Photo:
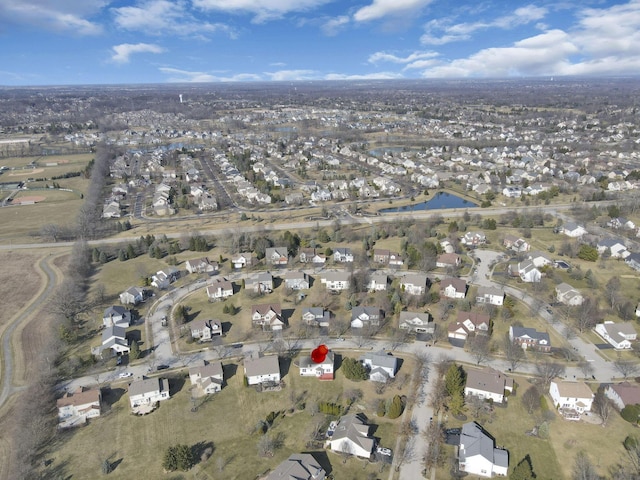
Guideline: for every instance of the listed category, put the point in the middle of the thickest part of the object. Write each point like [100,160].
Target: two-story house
[529,338]
[268,316]
[362,316]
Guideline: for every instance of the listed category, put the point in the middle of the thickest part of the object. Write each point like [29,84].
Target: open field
[227,420]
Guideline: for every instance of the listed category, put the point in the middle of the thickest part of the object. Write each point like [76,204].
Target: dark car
[162,367]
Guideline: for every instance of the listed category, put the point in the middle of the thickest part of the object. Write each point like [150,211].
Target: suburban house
[620,222]
[116,316]
[316,316]
[378,281]
[633,260]
[414,283]
[268,316]
[568,295]
[473,239]
[530,338]
[478,455]
[448,260]
[620,335]
[615,247]
[387,257]
[490,296]
[342,255]
[336,281]
[242,260]
[148,391]
[74,408]
[201,265]
[351,436]
[299,466]
[361,316]
[323,370]
[259,283]
[312,255]
[205,330]
[453,287]
[381,367]
[515,244]
[573,230]
[206,378]
[571,398]
[220,289]
[132,296]
[262,369]
[416,322]
[296,280]
[164,278]
[487,383]
[114,339]
[623,394]
[539,259]
[277,256]
[527,271]
[467,323]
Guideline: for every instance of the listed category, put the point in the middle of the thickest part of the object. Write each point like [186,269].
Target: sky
[70,42]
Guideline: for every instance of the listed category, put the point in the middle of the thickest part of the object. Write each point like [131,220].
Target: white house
[448,260]
[116,316]
[623,394]
[276,255]
[201,265]
[268,316]
[490,296]
[114,339]
[477,454]
[75,408]
[568,295]
[205,330]
[262,370]
[416,322]
[207,378]
[414,283]
[453,287]
[164,278]
[259,283]
[528,272]
[573,230]
[571,397]
[296,280]
[362,315]
[147,391]
[487,383]
[316,316]
[351,436]
[220,289]
[342,255]
[322,370]
[242,260]
[378,281]
[616,248]
[381,367]
[132,296]
[473,239]
[620,335]
[336,281]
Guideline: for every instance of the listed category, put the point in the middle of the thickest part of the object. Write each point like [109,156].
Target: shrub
[395,408]
[381,410]
[354,370]
[630,413]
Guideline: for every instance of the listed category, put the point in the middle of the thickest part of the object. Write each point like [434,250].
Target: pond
[440,201]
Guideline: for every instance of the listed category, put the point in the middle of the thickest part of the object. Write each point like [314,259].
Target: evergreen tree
[121,255]
[95,255]
[134,352]
[456,403]
[523,471]
[354,370]
[131,252]
[454,380]
[395,408]
[103,258]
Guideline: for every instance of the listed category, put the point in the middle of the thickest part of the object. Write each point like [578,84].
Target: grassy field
[227,420]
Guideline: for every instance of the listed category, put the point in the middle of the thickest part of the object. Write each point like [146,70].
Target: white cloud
[161,17]
[366,76]
[186,76]
[262,10]
[68,16]
[462,31]
[123,52]
[385,8]
[334,25]
[389,57]
[292,75]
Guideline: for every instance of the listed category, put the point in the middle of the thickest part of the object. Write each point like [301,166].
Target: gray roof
[148,385]
[352,426]
[477,442]
[261,365]
[117,311]
[113,331]
[299,466]
[380,360]
[212,369]
[531,333]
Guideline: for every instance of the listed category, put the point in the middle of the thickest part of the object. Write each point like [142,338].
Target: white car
[126,375]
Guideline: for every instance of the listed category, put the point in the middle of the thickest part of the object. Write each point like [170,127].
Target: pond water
[440,201]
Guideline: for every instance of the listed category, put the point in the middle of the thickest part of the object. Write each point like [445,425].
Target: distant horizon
[104,42]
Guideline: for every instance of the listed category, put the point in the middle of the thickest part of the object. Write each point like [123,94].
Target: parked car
[126,375]
[162,367]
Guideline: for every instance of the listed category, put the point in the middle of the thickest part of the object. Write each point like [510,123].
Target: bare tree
[480,348]
[612,291]
[406,454]
[583,469]
[602,406]
[531,399]
[513,352]
[586,368]
[626,368]
[547,370]
[346,450]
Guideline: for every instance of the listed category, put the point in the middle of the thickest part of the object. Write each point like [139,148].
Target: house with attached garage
[259,283]
[453,287]
[116,316]
[473,239]
[620,335]
[74,408]
[539,259]
[268,316]
[132,296]
[515,244]
[322,370]
[220,289]
[448,260]
[414,283]
[623,394]
[386,257]
[477,454]
[336,281]
[164,278]
[316,316]
[527,271]
[114,339]
[312,255]
[490,296]
[242,260]
[365,316]
[205,330]
[573,230]
[571,398]
[615,247]
[568,295]
[342,255]
[277,256]
[206,378]
[378,281]
[381,366]
[260,370]
[296,280]
[529,338]
[487,383]
[633,260]
[299,466]
[201,265]
[351,436]
[468,323]
[416,322]
[148,391]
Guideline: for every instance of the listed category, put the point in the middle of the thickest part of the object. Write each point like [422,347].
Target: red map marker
[319,354]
